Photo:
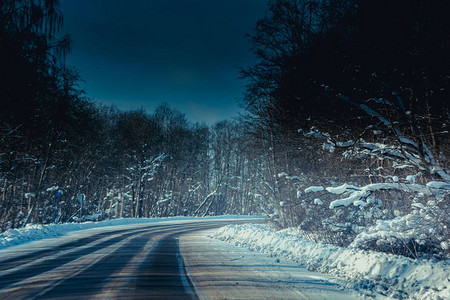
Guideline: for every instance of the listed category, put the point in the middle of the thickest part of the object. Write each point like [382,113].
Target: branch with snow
[422,226]
[358,195]
[413,150]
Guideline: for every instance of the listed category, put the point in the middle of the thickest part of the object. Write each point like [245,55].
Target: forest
[344,136]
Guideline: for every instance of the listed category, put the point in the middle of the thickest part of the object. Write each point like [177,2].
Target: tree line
[354,93]
[350,94]
[64,158]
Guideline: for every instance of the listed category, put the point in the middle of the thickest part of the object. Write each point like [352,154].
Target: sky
[141,53]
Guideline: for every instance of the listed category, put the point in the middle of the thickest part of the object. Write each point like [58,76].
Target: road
[162,261]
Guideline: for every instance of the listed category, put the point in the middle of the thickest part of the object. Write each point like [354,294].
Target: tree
[348,92]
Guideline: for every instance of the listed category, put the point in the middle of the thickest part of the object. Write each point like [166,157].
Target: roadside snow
[14,237]
[376,273]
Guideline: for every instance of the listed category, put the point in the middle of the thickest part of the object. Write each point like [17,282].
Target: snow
[355,195]
[314,132]
[359,203]
[372,272]
[345,144]
[314,189]
[417,188]
[52,189]
[341,189]
[405,150]
[219,270]
[445,245]
[438,185]
[410,227]
[396,165]
[352,199]
[413,178]
[317,201]
[14,237]
[328,147]
[418,205]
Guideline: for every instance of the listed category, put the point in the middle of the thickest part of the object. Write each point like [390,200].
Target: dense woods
[63,157]
[346,124]
[350,101]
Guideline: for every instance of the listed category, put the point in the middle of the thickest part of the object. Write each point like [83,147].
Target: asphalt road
[164,261]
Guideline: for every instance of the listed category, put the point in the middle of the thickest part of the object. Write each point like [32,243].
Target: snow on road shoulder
[389,275]
[14,237]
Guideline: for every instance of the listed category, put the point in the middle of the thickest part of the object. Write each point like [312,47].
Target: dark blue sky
[140,53]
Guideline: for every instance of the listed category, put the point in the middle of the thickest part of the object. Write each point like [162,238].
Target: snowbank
[13,237]
[385,274]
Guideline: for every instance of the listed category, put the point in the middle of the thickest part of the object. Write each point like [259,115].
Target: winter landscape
[332,181]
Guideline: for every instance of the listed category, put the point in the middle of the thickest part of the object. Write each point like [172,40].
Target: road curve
[157,261]
[138,263]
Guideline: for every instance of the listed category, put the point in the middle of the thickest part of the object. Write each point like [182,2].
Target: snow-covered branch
[358,195]
[400,147]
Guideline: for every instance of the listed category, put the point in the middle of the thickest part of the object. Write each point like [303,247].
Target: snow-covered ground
[48,268]
[14,237]
[373,273]
[218,270]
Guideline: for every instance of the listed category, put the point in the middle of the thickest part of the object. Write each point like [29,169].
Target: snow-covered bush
[407,219]
[423,233]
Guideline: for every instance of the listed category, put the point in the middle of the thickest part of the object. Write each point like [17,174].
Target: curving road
[162,261]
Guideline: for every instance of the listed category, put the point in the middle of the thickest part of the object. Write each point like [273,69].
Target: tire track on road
[56,257]
[10,263]
[158,272]
[132,263]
